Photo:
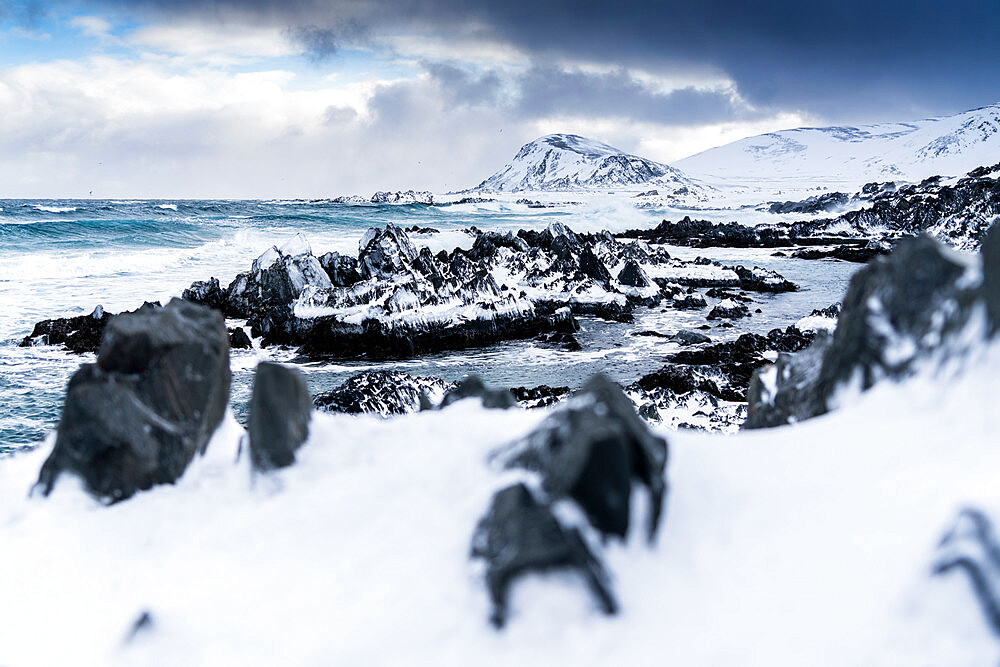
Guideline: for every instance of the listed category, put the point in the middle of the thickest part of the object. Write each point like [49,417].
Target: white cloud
[217,44]
[92,26]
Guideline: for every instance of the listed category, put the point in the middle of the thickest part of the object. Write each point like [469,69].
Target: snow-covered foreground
[809,544]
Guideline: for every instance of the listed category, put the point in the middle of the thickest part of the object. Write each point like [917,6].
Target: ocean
[64,257]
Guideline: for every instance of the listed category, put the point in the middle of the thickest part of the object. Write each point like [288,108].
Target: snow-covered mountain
[570,162]
[845,156]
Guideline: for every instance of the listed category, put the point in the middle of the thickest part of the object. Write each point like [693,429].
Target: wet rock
[239,340]
[138,416]
[729,310]
[519,535]
[278,416]
[382,392]
[688,337]
[590,451]
[473,387]
[540,396]
[207,293]
[76,334]
[342,270]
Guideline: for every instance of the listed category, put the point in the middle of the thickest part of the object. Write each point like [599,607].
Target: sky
[313,98]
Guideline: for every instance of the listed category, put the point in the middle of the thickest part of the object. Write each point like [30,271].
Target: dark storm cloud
[838,58]
[546,91]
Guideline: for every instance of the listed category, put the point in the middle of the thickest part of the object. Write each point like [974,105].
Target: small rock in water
[688,337]
[279,413]
[138,416]
[239,340]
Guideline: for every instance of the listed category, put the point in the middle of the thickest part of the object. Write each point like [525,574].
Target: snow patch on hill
[848,157]
[571,162]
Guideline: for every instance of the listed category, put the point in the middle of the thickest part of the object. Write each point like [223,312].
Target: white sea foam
[55,209]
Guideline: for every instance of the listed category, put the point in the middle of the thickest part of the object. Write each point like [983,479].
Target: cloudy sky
[314,98]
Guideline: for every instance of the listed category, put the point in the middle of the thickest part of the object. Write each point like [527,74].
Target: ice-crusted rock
[473,387]
[382,392]
[590,450]
[898,309]
[342,270]
[138,416]
[278,416]
[520,534]
[385,252]
[403,197]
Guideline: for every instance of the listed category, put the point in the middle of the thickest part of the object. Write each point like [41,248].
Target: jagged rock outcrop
[139,415]
[278,416]
[898,309]
[590,451]
[79,334]
[382,392]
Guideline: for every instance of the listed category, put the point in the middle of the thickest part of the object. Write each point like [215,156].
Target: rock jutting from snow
[971,546]
[278,416]
[906,306]
[153,399]
[520,534]
[590,450]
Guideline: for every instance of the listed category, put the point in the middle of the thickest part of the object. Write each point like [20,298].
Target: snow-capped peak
[849,156]
[570,162]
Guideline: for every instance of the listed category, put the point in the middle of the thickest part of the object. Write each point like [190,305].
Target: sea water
[62,258]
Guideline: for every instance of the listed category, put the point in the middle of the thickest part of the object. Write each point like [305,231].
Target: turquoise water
[64,257]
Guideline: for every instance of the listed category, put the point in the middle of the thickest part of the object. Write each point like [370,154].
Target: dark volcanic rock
[897,309]
[381,392]
[138,416]
[991,276]
[538,397]
[278,416]
[632,274]
[239,340]
[473,387]
[342,270]
[729,310]
[688,337]
[77,334]
[590,450]
[691,301]
[519,534]
[207,293]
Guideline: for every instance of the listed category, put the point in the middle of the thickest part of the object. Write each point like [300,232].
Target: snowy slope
[810,544]
[569,162]
[848,157]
